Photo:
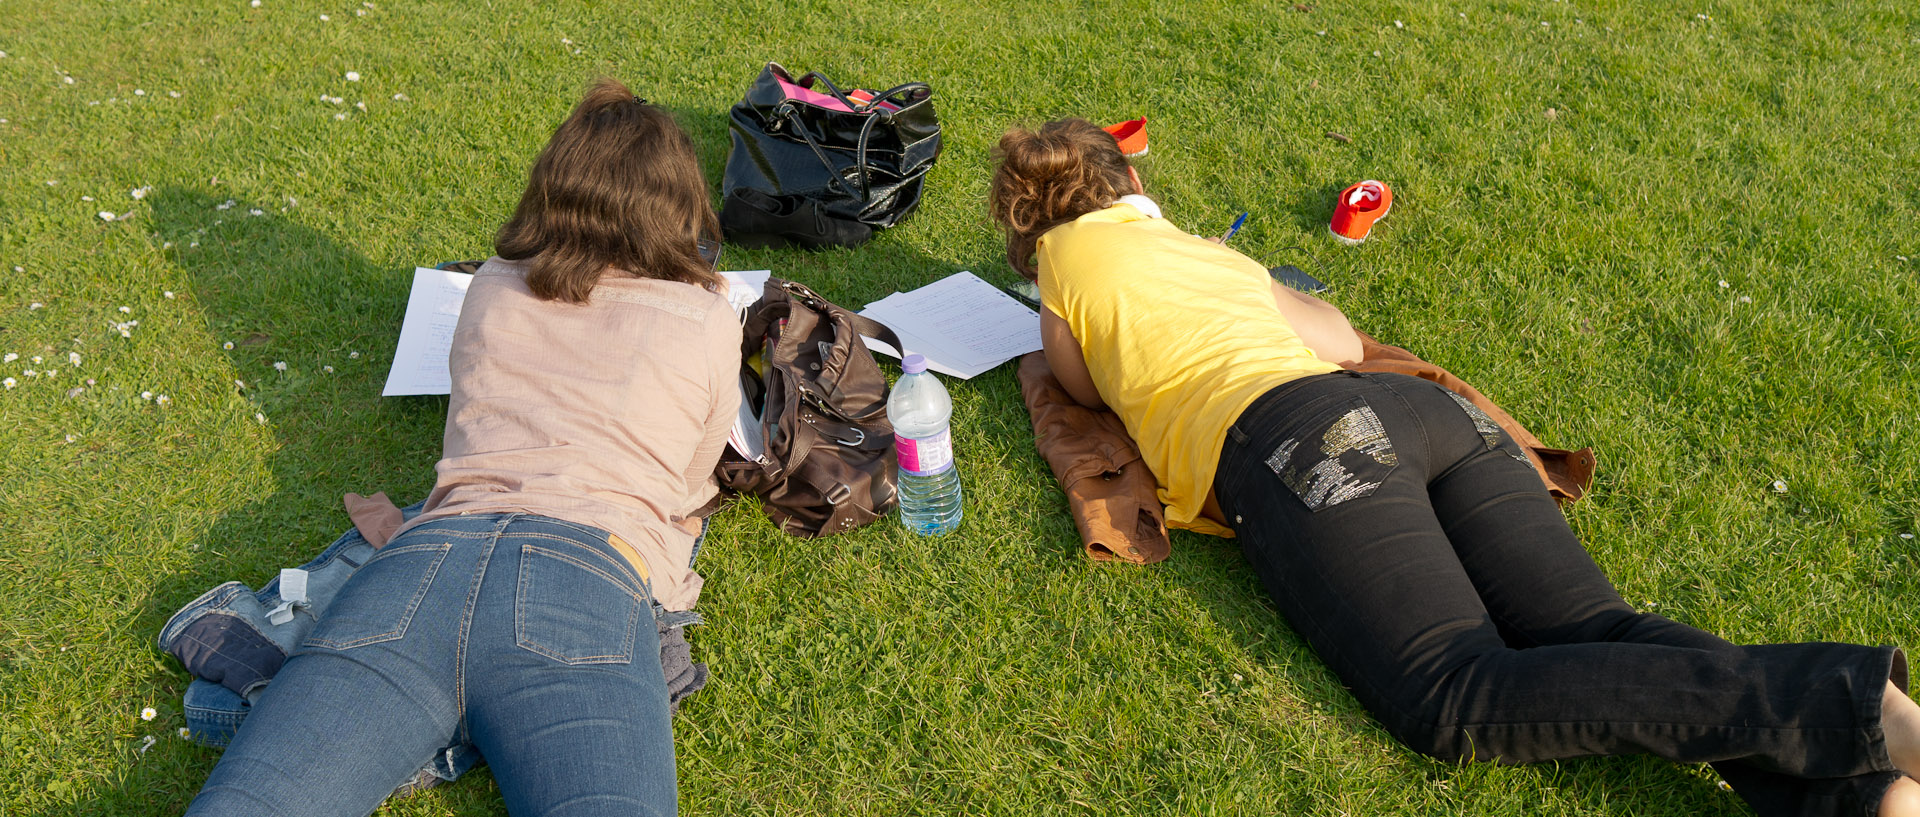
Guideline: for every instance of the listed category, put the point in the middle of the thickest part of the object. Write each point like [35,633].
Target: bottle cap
[913,363]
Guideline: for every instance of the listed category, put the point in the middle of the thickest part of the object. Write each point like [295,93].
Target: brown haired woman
[593,371]
[1400,531]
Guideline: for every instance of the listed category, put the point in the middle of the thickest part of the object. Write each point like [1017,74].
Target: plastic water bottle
[919,409]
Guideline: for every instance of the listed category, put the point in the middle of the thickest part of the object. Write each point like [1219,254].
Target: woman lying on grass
[1402,533]
[593,372]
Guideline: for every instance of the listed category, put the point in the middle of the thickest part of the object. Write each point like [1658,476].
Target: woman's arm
[1068,363]
[1320,325]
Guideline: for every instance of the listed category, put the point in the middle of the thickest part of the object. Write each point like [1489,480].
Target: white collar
[1142,203]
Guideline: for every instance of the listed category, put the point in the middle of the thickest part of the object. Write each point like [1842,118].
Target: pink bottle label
[928,455]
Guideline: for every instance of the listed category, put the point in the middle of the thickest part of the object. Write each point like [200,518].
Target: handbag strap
[807,83]
[871,114]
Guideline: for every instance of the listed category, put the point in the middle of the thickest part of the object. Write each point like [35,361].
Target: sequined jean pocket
[1490,431]
[1342,454]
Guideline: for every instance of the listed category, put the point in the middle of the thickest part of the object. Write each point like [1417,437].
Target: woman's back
[621,436]
[1179,333]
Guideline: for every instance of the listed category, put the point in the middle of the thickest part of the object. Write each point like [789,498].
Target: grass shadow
[282,292]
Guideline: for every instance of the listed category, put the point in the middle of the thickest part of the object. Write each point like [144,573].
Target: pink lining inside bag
[812,97]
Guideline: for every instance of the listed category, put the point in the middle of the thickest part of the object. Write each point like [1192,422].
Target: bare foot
[1901,800]
[1900,720]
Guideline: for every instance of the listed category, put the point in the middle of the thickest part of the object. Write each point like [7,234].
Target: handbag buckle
[837,494]
[859,437]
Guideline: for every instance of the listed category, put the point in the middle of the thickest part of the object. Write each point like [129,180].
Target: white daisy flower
[1779,486]
[256,212]
[67,80]
[280,365]
[162,400]
[339,117]
[327,369]
[174,94]
[146,395]
[227,346]
[260,418]
[149,714]
[1724,284]
[149,741]
[354,355]
[9,382]
[360,105]
[11,357]
[225,205]
[126,310]
[400,97]
[31,373]
[35,305]
[140,192]
[138,92]
[73,359]
[106,215]
[167,293]
[353,76]
[324,18]
[185,733]
[37,359]
[71,438]
[86,198]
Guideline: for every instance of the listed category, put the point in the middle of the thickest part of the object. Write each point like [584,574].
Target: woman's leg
[565,696]
[1329,488]
[365,703]
[1541,588]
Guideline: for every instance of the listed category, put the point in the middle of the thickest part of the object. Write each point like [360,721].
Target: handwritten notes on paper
[426,334]
[961,324]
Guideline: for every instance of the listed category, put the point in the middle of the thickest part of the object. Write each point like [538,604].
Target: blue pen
[1234,229]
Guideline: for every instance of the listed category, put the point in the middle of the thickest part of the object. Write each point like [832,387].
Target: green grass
[1573,182]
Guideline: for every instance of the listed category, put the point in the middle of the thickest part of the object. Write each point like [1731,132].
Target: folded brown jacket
[1113,496]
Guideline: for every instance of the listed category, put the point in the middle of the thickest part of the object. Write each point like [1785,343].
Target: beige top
[611,413]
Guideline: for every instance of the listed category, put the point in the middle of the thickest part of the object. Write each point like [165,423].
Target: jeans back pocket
[378,602]
[576,607]
[1341,453]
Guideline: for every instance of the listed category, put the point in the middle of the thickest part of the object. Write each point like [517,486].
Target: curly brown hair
[618,188]
[1046,179]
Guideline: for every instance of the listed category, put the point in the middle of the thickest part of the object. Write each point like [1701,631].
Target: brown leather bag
[829,465]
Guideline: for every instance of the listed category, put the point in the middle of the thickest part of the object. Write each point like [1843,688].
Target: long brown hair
[617,187]
[1046,179]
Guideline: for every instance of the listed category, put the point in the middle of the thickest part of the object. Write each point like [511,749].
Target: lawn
[1682,234]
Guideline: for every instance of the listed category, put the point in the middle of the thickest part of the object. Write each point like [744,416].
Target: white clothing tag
[293,592]
[293,585]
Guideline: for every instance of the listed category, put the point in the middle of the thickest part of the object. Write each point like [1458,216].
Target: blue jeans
[527,636]
[1405,537]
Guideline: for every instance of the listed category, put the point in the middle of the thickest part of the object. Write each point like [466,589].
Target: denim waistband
[481,526]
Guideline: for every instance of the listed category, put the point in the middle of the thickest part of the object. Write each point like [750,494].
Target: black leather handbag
[815,166]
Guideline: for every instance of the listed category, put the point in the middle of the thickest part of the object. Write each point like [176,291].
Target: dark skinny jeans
[1405,537]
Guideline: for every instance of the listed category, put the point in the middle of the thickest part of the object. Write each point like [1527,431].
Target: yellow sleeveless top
[1180,335]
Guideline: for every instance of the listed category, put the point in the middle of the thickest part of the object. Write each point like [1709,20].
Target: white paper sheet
[426,334]
[745,287]
[961,324]
[746,438]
